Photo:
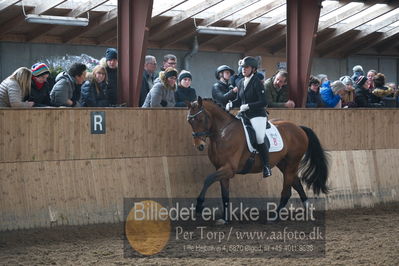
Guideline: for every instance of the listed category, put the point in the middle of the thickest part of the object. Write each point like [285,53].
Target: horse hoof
[220,222]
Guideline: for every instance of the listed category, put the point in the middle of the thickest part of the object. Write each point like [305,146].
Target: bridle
[202,133]
[205,133]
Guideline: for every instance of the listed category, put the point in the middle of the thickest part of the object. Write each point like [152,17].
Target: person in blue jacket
[327,95]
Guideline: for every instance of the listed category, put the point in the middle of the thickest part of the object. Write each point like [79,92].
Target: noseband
[202,133]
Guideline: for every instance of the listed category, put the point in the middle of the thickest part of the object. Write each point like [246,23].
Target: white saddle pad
[275,139]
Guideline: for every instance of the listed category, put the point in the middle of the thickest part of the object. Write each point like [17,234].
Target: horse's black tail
[314,165]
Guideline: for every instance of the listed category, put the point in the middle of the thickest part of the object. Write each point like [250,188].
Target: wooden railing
[53,170]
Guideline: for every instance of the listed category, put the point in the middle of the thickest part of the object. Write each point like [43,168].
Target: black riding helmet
[223,68]
[249,61]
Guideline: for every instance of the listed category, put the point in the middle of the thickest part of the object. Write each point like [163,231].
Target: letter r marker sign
[97,122]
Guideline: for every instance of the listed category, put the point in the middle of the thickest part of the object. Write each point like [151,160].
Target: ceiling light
[57,20]
[221,30]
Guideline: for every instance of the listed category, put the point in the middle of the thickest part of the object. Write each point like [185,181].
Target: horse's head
[200,123]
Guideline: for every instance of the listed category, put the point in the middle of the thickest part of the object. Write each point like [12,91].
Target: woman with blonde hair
[15,88]
[95,90]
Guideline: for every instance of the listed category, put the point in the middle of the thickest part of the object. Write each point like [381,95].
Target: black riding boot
[264,155]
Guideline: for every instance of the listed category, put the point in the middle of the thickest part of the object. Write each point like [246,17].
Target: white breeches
[259,124]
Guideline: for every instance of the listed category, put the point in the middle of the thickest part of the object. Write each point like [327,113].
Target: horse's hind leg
[289,170]
[299,188]
[285,195]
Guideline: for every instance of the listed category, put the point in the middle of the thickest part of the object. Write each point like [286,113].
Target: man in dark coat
[111,57]
[147,82]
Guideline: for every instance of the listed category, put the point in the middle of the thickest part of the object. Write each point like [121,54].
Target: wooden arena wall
[53,171]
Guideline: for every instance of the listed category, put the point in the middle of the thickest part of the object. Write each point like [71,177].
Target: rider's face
[247,71]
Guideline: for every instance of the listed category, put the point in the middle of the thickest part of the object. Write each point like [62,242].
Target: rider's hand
[229,105]
[244,107]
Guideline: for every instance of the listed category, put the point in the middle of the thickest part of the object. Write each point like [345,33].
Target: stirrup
[266,171]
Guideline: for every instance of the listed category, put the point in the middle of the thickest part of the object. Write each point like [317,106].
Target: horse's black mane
[219,105]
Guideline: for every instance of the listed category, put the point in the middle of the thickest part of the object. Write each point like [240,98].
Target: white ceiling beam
[166,7]
[7,3]
[165,27]
[46,5]
[327,42]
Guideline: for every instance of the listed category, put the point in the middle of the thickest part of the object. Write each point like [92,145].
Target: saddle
[273,138]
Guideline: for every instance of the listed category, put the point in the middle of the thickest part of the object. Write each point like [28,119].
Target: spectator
[330,97]
[370,82]
[15,88]
[357,72]
[162,93]
[261,77]
[95,89]
[222,91]
[381,90]
[392,85]
[111,65]
[235,78]
[66,91]
[322,77]
[348,98]
[150,65]
[338,88]
[276,91]
[40,87]
[184,92]
[169,60]
[363,95]
[314,99]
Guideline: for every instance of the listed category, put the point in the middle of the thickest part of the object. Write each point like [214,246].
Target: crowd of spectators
[77,87]
[359,90]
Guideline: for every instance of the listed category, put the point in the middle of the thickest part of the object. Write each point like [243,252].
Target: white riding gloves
[229,105]
[244,107]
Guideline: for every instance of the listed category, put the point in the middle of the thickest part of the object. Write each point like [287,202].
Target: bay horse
[228,152]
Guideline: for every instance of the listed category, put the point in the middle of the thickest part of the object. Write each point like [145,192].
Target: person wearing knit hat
[361,81]
[313,99]
[111,53]
[111,57]
[162,94]
[184,92]
[363,96]
[40,87]
[40,69]
[346,80]
[337,86]
[348,99]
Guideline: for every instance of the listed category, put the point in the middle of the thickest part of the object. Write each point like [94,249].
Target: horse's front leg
[224,187]
[224,174]
[210,179]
